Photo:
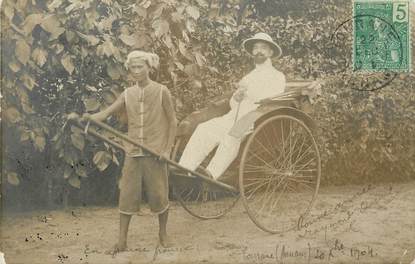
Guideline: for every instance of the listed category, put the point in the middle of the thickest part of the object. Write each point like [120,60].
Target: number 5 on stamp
[400,12]
[381,35]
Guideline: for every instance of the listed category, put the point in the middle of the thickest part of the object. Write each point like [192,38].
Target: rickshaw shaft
[147,149]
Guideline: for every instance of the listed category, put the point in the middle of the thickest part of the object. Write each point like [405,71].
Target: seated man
[262,82]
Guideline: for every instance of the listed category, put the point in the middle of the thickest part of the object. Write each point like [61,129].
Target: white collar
[265,65]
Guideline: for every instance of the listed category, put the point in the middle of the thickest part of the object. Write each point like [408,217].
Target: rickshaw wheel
[279,173]
[199,198]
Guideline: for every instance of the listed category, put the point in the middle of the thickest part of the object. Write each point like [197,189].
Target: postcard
[206,131]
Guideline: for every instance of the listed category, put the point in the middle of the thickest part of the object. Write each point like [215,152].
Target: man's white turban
[151,58]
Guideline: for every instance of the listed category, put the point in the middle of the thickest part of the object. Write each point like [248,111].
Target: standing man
[263,82]
[151,122]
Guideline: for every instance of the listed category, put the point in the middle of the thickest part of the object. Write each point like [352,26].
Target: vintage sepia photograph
[207,131]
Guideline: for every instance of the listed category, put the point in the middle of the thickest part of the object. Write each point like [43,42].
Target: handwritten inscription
[310,253]
[160,250]
[341,215]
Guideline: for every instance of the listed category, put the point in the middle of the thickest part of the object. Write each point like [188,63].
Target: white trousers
[206,137]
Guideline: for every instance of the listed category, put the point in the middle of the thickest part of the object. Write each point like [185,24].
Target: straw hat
[248,43]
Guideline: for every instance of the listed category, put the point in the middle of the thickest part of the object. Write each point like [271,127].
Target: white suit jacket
[262,82]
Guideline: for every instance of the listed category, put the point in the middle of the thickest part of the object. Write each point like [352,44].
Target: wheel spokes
[281,165]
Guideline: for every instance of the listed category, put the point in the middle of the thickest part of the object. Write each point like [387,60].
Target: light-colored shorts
[153,174]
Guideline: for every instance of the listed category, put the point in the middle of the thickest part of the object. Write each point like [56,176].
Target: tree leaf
[213,69]
[24,135]
[200,59]
[58,48]
[196,84]
[81,170]
[183,50]
[91,39]
[91,88]
[28,81]
[106,24]
[91,104]
[27,108]
[84,52]
[160,27]
[193,12]
[145,4]
[190,25]
[51,24]
[40,56]
[67,172]
[202,3]
[22,51]
[181,9]
[173,78]
[14,66]
[13,115]
[78,141]
[75,181]
[176,17]
[107,49]
[70,156]
[55,4]
[71,36]
[158,12]
[168,42]
[24,100]
[129,40]
[67,63]
[185,36]
[141,11]
[114,71]
[40,143]
[102,159]
[12,178]
[141,40]
[76,130]
[31,21]
[107,2]
[76,5]
[192,70]
[179,65]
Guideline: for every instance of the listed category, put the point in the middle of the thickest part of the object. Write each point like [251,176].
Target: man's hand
[97,116]
[86,117]
[164,155]
[72,116]
[240,94]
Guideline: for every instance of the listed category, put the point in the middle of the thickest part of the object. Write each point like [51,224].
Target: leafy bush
[65,56]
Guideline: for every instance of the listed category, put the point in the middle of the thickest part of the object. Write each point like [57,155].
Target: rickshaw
[278,164]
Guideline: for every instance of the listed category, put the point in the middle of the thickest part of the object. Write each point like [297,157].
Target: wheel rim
[202,199]
[279,174]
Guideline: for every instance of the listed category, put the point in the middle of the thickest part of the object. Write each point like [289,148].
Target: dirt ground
[349,224]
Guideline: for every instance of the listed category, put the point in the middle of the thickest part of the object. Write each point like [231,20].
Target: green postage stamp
[382,34]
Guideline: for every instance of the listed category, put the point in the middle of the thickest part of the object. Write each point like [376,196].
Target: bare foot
[117,248]
[165,241]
